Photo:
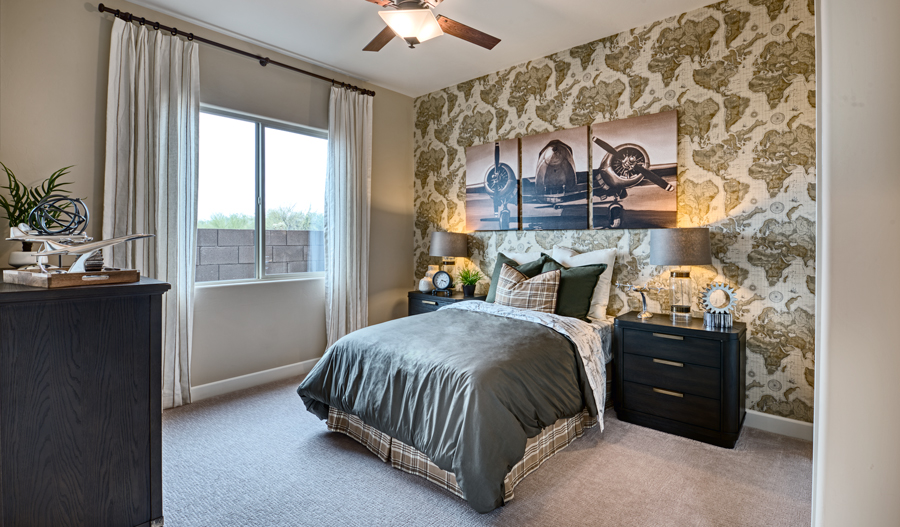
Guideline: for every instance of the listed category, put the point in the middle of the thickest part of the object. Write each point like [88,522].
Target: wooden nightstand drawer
[417,306]
[678,406]
[679,348]
[672,375]
[420,303]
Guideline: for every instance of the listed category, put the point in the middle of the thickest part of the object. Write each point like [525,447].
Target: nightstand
[681,378]
[426,302]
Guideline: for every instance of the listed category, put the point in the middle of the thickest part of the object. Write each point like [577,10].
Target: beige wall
[857,459]
[53,74]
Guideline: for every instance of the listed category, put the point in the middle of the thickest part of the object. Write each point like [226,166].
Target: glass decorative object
[680,294]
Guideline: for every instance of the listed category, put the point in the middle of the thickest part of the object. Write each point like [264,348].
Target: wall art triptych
[631,184]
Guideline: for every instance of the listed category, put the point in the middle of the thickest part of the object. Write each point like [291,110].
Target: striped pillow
[514,289]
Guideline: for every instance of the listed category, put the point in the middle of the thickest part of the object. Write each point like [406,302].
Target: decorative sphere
[58,215]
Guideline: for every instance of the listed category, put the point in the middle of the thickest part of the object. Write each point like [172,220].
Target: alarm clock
[442,283]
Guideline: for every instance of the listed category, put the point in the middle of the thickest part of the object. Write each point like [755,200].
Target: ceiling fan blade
[380,40]
[467,33]
[382,3]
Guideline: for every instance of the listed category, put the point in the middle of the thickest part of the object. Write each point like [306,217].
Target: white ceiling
[332,33]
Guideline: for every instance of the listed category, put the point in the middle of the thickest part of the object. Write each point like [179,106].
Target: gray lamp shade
[680,246]
[449,244]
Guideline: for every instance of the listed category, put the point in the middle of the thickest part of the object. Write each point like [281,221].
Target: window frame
[259,231]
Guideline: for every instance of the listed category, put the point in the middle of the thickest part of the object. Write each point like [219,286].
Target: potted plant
[469,277]
[22,199]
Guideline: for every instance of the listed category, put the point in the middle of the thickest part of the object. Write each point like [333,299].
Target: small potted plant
[469,277]
[22,199]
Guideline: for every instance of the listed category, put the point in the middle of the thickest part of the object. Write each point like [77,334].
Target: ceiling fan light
[419,24]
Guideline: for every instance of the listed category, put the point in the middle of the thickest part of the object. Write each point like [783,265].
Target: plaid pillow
[514,289]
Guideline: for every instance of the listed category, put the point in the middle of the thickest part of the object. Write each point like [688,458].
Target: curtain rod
[263,61]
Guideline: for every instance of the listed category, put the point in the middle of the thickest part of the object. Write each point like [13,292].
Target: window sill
[297,277]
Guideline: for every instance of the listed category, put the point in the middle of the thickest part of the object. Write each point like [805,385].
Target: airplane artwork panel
[492,186]
[635,172]
[555,180]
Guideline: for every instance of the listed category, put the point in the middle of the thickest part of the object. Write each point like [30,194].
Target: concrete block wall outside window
[229,254]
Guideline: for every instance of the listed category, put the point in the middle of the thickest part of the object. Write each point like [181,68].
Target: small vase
[468,290]
[22,259]
[425,285]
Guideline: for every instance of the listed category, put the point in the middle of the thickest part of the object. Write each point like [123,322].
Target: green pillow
[529,269]
[576,287]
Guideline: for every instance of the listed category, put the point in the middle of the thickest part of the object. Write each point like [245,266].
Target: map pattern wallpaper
[741,75]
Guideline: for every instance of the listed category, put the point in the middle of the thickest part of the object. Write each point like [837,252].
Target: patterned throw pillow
[514,289]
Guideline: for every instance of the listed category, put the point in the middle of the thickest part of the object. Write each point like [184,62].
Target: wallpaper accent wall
[741,74]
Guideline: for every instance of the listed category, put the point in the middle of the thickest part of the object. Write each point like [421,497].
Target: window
[261,198]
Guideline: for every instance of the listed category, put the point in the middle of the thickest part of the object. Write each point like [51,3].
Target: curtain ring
[174,32]
[143,21]
[156,26]
[264,62]
[117,13]
[130,17]
[190,37]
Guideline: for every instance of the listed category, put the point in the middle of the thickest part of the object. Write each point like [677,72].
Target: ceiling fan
[414,22]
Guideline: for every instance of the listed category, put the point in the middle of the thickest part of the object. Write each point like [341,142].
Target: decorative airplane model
[84,251]
[643,290]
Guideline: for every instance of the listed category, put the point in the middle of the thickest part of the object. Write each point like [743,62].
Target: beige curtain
[347,198]
[152,119]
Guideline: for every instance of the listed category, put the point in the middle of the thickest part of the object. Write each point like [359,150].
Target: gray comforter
[466,388]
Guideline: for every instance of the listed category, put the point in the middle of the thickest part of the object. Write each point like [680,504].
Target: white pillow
[521,258]
[572,258]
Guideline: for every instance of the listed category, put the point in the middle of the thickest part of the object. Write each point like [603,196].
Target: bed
[472,397]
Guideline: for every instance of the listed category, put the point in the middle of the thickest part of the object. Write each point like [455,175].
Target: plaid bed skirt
[538,449]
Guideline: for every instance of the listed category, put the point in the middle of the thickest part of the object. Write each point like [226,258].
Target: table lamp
[680,247]
[449,245]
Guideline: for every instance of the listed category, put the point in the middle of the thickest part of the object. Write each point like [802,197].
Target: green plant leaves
[469,276]
[22,199]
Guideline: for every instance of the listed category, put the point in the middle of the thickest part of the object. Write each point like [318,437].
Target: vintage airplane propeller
[414,22]
[625,166]
[500,183]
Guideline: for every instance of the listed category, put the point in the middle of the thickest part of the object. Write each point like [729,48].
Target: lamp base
[681,313]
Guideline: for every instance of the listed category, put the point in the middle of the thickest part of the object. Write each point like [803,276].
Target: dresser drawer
[678,406]
[671,375]
[417,306]
[691,350]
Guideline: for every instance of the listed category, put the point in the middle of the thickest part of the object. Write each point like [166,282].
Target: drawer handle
[429,302]
[669,362]
[672,337]
[667,392]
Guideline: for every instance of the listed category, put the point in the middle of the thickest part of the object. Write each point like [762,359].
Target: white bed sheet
[604,328]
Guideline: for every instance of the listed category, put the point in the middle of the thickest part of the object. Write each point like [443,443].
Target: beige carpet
[258,458]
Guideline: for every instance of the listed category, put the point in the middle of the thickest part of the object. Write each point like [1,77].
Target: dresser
[681,378]
[426,302]
[80,405]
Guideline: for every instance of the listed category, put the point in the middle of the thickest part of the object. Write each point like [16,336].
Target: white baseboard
[205,391]
[777,425]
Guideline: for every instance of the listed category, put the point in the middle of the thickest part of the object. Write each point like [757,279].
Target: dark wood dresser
[80,405]
[426,302]
[681,378]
